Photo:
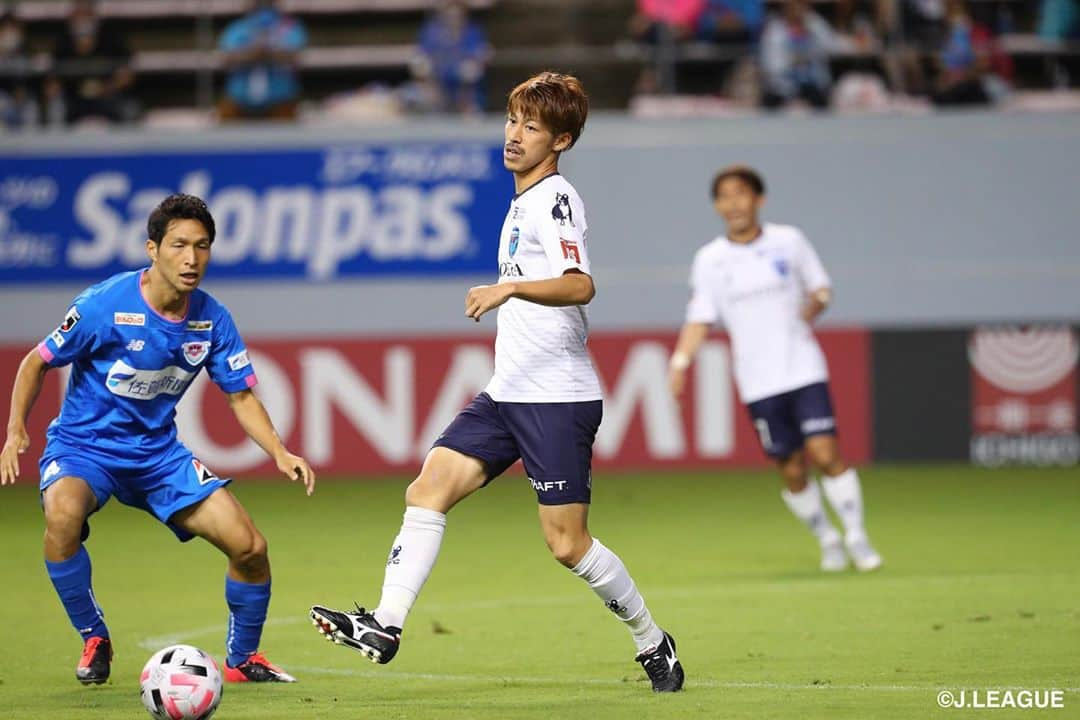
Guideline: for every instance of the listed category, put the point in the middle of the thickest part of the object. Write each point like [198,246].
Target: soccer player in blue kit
[135,343]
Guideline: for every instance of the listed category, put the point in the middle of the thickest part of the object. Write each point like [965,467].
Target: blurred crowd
[90,76]
[936,49]
[802,52]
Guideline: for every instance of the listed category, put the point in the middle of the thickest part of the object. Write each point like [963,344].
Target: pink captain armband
[45,353]
[251,380]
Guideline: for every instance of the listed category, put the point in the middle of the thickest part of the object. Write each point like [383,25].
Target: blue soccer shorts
[784,421]
[553,440]
[166,484]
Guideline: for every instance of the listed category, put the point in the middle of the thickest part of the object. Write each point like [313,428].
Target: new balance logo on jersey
[562,210]
[136,345]
[395,554]
[548,485]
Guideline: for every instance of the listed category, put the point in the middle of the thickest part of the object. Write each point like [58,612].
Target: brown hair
[747,174]
[557,100]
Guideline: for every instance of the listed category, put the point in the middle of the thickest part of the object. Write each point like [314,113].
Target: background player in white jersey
[135,343]
[543,404]
[765,283]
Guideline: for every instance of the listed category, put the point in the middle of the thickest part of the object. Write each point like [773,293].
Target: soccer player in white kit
[765,283]
[543,404]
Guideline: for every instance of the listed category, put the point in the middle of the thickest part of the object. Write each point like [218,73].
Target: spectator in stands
[969,62]
[262,53]
[1059,19]
[732,22]
[92,75]
[452,60]
[658,20]
[795,51]
[18,107]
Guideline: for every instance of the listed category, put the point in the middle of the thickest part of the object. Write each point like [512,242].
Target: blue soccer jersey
[130,366]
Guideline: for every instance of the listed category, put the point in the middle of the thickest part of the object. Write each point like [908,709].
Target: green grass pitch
[981,590]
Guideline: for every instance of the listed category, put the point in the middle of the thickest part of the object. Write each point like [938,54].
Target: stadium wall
[344,255]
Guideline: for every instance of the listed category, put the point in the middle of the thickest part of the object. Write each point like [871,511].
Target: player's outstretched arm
[571,288]
[690,338]
[28,382]
[253,418]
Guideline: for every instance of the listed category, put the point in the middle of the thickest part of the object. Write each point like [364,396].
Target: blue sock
[71,578]
[247,613]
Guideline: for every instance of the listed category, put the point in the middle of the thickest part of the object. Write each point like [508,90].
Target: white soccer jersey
[757,291]
[540,353]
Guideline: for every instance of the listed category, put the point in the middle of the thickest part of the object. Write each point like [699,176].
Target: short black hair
[179,207]
[747,174]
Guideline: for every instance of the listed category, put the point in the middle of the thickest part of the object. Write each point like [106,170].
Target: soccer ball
[180,682]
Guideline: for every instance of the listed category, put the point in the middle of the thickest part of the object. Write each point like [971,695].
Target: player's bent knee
[567,548]
[252,555]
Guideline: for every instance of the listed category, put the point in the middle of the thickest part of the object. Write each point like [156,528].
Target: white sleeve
[701,308]
[561,232]
[808,265]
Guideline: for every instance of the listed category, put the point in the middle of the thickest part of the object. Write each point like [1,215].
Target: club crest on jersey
[781,266]
[202,473]
[196,352]
[515,235]
[562,210]
[70,319]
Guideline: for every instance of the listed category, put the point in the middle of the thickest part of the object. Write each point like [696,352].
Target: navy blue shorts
[784,421]
[553,440]
[173,481]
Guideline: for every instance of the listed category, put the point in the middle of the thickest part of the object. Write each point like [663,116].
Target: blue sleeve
[229,365]
[77,336]
[428,38]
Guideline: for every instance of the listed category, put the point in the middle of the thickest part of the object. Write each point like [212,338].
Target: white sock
[609,579]
[411,558]
[807,506]
[845,496]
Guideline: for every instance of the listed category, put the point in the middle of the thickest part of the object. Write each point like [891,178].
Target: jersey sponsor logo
[570,250]
[71,319]
[510,269]
[52,470]
[239,360]
[58,339]
[136,345]
[562,210]
[196,352]
[202,473]
[200,325]
[128,318]
[126,381]
[515,235]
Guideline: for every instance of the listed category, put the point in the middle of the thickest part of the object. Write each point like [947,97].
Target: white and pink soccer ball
[180,682]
